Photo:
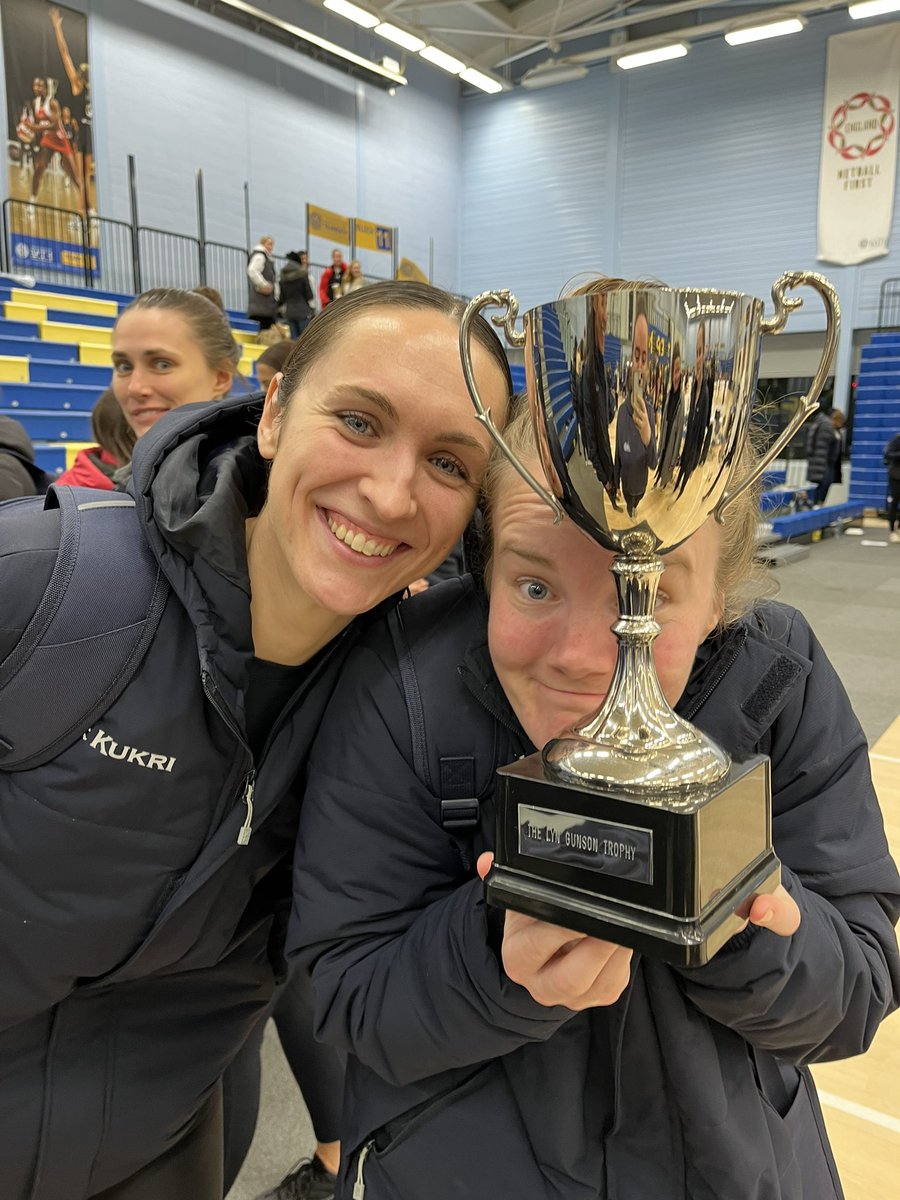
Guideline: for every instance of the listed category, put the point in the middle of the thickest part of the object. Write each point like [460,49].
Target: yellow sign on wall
[370,236]
[321,223]
[409,271]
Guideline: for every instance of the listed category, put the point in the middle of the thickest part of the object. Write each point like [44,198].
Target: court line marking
[885,758]
[861,1111]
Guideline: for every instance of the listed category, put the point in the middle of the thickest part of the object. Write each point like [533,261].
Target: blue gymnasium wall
[180,90]
[703,171]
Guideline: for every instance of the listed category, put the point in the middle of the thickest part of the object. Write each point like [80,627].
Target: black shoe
[309,1180]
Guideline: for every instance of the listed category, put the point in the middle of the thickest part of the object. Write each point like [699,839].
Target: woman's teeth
[359,542]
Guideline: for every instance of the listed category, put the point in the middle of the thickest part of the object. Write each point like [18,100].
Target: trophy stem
[635,742]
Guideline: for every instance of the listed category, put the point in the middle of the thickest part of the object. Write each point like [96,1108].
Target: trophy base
[682,943]
[660,875]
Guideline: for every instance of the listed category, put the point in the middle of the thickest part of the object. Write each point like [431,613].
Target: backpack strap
[89,633]
[460,805]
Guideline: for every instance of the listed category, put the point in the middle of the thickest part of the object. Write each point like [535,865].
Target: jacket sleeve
[392,925]
[325,286]
[254,271]
[822,993]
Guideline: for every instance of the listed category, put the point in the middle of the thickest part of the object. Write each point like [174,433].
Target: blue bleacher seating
[798,524]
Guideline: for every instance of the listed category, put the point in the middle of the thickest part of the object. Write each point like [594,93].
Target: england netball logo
[861,126]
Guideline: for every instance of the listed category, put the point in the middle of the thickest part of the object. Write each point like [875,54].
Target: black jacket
[133,927]
[18,474]
[693,1085]
[823,447]
[296,293]
[892,457]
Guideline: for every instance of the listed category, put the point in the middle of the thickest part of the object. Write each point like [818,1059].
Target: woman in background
[114,440]
[354,279]
[170,347]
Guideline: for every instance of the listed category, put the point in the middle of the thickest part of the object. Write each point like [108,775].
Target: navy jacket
[133,927]
[693,1086]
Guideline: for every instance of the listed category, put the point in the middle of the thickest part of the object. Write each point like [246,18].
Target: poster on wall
[859,144]
[50,152]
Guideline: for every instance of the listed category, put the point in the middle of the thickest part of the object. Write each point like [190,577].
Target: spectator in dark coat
[296,292]
[823,452]
[492,1054]
[892,462]
[19,475]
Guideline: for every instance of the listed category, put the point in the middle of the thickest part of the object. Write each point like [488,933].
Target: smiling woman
[273,526]
[170,347]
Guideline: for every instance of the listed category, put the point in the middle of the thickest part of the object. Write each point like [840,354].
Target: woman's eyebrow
[361,392]
[532,556]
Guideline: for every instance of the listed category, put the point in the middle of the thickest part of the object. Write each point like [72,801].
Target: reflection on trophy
[636,827]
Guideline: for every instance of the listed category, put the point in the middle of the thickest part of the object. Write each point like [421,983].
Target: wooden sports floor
[861,1096]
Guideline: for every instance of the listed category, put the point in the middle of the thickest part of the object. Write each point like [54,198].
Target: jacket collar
[196,477]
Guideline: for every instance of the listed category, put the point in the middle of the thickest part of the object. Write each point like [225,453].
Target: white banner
[859,144]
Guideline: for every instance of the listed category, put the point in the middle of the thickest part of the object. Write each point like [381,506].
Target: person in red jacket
[95,466]
[332,277]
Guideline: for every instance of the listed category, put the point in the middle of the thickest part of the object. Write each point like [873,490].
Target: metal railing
[58,246]
[169,259]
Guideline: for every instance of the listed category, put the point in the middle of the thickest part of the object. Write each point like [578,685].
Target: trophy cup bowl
[635,826]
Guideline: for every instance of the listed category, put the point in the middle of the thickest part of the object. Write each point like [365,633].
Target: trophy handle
[784,306]
[515,337]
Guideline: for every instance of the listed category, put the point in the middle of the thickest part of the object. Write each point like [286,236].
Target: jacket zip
[359,1188]
[212,695]
[717,678]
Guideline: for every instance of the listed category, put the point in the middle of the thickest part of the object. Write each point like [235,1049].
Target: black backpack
[91,629]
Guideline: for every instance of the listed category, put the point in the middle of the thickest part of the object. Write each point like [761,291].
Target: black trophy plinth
[660,874]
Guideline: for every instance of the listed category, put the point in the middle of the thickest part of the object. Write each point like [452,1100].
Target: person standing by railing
[262,303]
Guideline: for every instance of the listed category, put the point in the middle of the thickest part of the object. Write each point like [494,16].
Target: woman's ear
[269,428]
[224,383]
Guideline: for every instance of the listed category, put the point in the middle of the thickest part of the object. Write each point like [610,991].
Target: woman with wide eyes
[140,856]
[493,1054]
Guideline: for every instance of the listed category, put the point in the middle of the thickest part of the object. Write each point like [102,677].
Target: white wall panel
[537,203]
[180,90]
[701,171]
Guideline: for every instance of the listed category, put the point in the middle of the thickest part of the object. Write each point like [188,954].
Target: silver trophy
[636,826]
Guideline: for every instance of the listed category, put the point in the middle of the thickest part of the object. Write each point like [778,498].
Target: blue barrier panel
[82,374]
[34,348]
[51,459]
[101,320]
[18,329]
[49,396]
[52,426]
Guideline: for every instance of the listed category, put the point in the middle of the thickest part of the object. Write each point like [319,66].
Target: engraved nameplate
[579,841]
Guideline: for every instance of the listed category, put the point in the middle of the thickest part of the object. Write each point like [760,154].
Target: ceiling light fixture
[873,8]
[400,37]
[758,33]
[439,59]
[480,80]
[627,62]
[551,73]
[254,20]
[352,12]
